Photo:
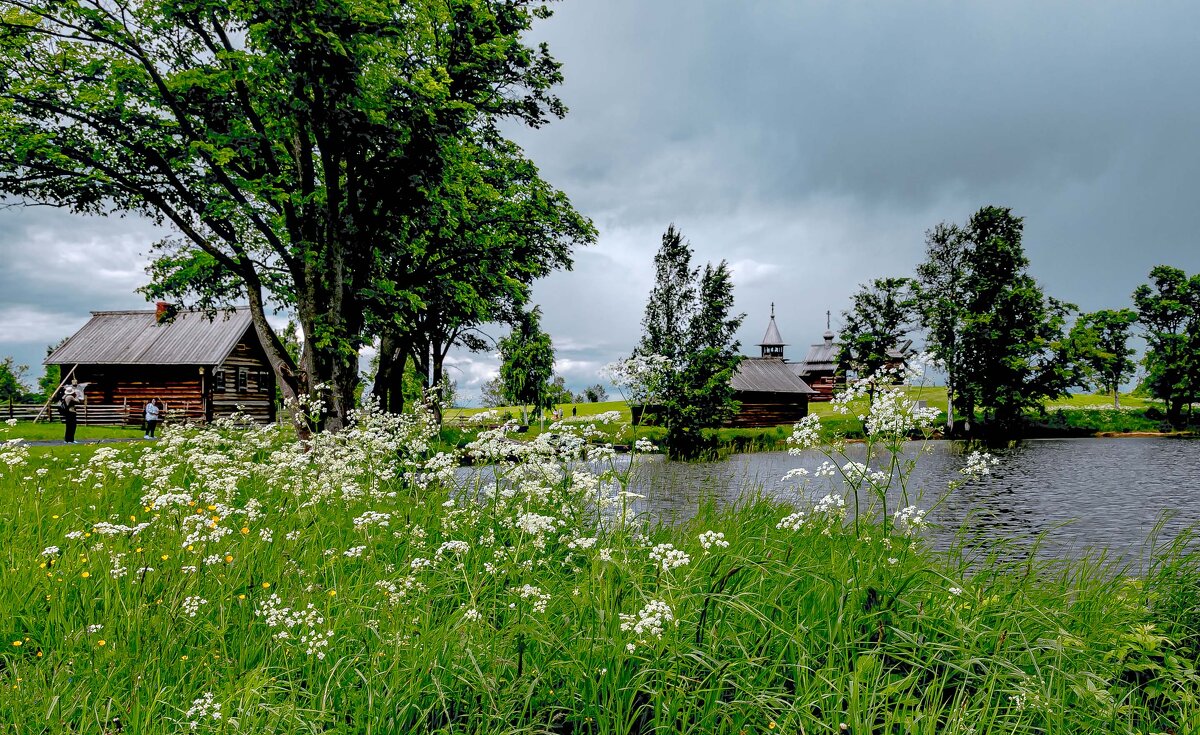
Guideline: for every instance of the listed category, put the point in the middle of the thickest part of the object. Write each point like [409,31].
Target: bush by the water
[228,580]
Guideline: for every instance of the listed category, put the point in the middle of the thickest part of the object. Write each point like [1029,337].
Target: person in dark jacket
[68,407]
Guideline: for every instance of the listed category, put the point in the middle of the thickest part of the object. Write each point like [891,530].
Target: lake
[1080,493]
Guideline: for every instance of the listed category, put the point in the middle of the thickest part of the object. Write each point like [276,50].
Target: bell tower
[772,344]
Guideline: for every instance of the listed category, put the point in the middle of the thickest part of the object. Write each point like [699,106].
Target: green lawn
[43,431]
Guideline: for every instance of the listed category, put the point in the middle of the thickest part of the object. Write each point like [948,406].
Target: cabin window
[218,380]
[243,379]
[264,381]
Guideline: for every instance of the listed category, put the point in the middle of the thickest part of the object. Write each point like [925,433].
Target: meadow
[228,579]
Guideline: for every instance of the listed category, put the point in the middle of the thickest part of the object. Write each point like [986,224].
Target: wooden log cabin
[768,390]
[200,368]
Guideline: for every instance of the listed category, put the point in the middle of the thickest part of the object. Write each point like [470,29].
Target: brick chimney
[161,311]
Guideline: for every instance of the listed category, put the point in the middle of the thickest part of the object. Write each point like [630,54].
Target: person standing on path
[152,412]
[67,406]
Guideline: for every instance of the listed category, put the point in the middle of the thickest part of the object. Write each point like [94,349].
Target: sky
[809,144]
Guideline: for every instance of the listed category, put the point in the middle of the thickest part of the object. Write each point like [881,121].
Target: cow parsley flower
[203,707]
[650,621]
[669,557]
[191,605]
[709,539]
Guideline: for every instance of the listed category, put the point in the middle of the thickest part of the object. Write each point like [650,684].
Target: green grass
[43,431]
[809,629]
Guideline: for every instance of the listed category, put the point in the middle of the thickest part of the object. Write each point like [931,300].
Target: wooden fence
[104,414]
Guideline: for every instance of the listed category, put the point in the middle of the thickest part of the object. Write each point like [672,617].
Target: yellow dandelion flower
[133,518]
[245,530]
[101,642]
[42,565]
[138,550]
[189,547]
[18,643]
[241,597]
[54,517]
[164,557]
[183,658]
[212,507]
[266,585]
[333,593]
[216,518]
[39,654]
[771,725]
[228,558]
[86,574]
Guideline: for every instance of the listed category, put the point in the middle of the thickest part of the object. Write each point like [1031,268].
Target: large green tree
[1169,311]
[689,321]
[881,313]
[290,145]
[941,304]
[496,228]
[1100,343]
[527,363]
[1014,351]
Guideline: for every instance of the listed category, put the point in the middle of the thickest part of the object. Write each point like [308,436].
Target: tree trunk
[1117,398]
[389,378]
[331,342]
[949,410]
[292,381]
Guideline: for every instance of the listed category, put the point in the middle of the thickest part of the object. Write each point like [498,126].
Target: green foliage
[492,393]
[881,314]
[527,363]
[1169,310]
[490,229]
[688,321]
[999,336]
[1099,342]
[314,156]
[557,392]
[941,293]
[595,393]
[12,382]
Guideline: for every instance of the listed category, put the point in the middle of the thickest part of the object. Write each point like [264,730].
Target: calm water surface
[1080,494]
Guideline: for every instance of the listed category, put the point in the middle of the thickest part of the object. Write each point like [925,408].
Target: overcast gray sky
[810,144]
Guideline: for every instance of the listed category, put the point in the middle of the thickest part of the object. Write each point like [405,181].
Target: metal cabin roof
[136,338]
[767,375]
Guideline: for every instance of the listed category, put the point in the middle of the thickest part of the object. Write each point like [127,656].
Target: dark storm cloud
[57,267]
[811,144]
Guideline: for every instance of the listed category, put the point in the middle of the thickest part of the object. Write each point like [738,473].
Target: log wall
[178,387]
[243,382]
[760,410]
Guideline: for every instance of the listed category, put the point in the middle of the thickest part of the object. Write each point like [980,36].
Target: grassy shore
[1080,415]
[225,580]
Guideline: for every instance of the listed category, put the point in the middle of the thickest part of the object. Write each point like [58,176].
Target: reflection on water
[1080,493]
